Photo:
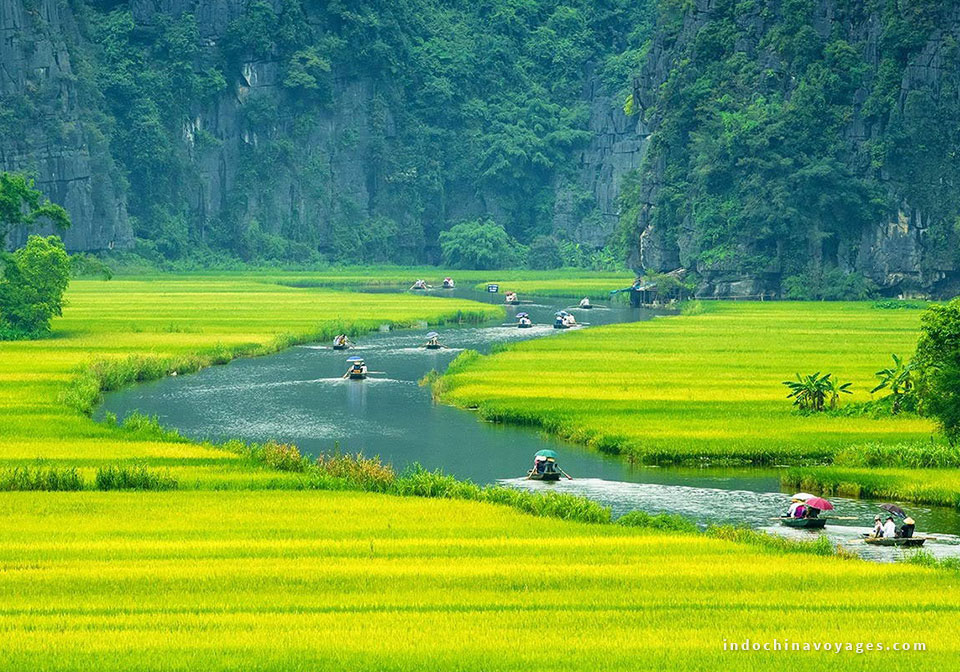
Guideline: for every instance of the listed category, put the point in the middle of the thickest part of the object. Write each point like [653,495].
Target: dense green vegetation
[754,153]
[32,282]
[469,99]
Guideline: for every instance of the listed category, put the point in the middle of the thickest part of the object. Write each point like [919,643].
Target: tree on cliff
[22,205]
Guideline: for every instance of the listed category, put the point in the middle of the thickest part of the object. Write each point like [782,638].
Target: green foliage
[828,284]
[816,393]
[544,253]
[660,521]
[137,477]
[921,454]
[84,265]
[40,478]
[23,206]
[480,244]
[898,379]
[32,286]
[938,363]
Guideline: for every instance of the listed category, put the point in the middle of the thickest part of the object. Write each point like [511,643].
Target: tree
[813,392]
[898,379]
[938,363]
[22,205]
[544,254]
[480,244]
[31,290]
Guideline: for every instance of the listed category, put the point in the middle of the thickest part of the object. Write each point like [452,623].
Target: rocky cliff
[896,134]
[45,128]
[259,164]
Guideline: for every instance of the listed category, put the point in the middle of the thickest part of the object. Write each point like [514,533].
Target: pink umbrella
[819,503]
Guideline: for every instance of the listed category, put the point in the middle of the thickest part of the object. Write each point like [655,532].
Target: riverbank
[286,578]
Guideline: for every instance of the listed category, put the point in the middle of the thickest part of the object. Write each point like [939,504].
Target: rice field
[698,386]
[293,580]
[171,320]
[239,569]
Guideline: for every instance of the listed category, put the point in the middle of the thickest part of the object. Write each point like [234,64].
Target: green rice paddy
[225,575]
[694,387]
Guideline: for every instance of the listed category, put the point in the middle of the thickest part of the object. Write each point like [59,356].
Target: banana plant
[898,379]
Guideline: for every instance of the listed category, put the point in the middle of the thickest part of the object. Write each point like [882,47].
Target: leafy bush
[660,521]
[815,393]
[901,304]
[132,478]
[279,456]
[84,265]
[40,478]
[938,362]
[544,254]
[829,284]
[360,472]
[480,244]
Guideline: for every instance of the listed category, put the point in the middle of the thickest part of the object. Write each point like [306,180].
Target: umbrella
[803,496]
[432,334]
[819,503]
[354,359]
[894,509]
[519,315]
[546,453]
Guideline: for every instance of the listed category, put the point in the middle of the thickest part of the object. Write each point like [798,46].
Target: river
[299,396]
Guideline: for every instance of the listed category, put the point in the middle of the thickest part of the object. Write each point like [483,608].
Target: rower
[585,303]
[889,528]
[906,530]
[448,283]
[357,370]
[419,284]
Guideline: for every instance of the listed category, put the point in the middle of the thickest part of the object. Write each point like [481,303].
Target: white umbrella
[803,495]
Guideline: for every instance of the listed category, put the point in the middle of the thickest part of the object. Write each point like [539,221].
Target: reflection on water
[300,396]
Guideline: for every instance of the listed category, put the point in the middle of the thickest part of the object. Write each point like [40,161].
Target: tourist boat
[432,342]
[564,320]
[803,523]
[357,370]
[448,283]
[545,467]
[343,346]
[905,542]
[512,298]
[524,321]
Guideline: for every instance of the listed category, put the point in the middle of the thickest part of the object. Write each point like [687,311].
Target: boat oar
[840,517]
[565,474]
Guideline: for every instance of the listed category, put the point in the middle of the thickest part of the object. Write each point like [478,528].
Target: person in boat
[800,511]
[877,527]
[357,368]
[523,320]
[539,464]
[433,342]
[448,283]
[511,297]
[585,302]
[906,530]
[340,341]
[419,284]
[794,503]
[889,528]
[569,321]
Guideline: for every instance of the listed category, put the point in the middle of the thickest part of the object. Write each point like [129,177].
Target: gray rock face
[896,252]
[44,132]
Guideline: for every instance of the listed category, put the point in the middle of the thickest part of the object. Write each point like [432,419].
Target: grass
[119,332]
[248,567]
[702,386]
[341,580]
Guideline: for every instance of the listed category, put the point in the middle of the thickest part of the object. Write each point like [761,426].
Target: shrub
[481,245]
[661,521]
[357,471]
[544,254]
[915,455]
[828,284]
[40,478]
[280,456]
[132,478]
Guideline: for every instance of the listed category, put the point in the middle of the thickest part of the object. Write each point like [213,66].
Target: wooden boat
[357,376]
[905,542]
[433,346]
[545,476]
[524,325]
[341,347]
[803,523]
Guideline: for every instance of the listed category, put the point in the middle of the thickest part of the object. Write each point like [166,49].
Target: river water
[299,396]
